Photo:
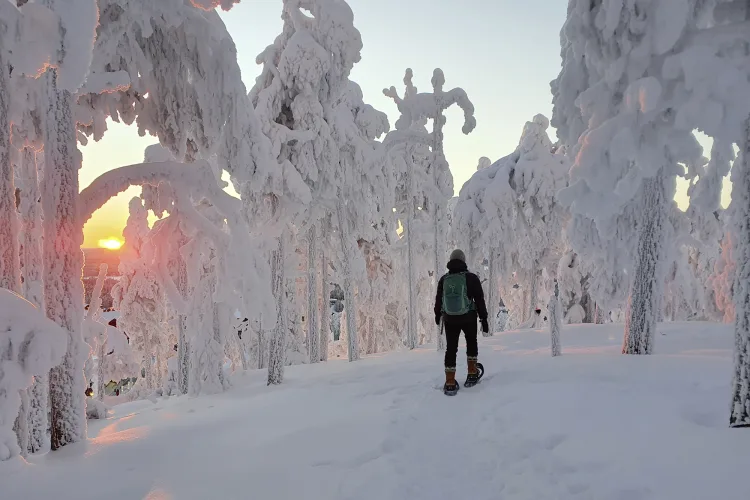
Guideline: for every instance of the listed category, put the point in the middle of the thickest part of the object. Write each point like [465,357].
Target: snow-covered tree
[628,155]
[412,164]
[426,190]
[367,178]
[63,235]
[137,295]
[511,209]
[209,318]
[320,130]
[30,344]
[712,73]
[142,49]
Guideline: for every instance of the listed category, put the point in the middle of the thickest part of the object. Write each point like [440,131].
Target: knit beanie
[458,255]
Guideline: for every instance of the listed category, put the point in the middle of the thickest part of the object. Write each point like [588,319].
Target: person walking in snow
[458,303]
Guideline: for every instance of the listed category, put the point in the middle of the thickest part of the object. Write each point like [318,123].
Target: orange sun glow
[110,244]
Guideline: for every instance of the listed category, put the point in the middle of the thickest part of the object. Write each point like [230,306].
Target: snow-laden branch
[212,4]
[398,138]
[197,179]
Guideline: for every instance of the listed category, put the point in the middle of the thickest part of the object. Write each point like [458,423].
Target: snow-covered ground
[592,424]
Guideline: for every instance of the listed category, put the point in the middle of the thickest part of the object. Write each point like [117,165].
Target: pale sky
[503,53]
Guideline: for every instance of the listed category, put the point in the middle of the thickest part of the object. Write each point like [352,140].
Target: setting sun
[110,244]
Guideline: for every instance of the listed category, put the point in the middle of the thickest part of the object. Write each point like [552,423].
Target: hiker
[458,303]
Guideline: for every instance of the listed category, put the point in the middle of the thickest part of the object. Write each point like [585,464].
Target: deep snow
[592,424]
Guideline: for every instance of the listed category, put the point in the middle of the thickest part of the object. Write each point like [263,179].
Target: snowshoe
[473,379]
[451,389]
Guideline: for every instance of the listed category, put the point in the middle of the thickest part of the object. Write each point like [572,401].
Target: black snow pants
[454,325]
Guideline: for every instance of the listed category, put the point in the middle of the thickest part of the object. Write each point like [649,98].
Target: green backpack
[455,296]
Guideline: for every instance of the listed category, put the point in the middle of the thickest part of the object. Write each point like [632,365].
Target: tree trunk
[22,424]
[10,272]
[10,267]
[325,307]
[31,216]
[63,262]
[183,348]
[491,292]
[313,334]
[372,337]
[159,382]
[533,291]
[39,414]
[647,286]
[740,409]
[32,272]
[148,353]
[587,302]
[411,319]
[218,312]
[438,158]
[555,322]
[99,372]
[277,347]
[526,293]
[262,358]
[351,307]
[439,254]
[599,314]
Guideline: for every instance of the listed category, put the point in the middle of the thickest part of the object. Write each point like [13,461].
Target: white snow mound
[30,344]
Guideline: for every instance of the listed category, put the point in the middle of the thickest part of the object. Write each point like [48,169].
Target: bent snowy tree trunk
[63,263]
[740,409]
[313,335]
[648,280]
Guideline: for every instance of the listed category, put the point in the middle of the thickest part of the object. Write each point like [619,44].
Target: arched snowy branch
[195,178]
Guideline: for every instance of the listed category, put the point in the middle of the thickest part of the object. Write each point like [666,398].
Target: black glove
[485,326]
[437,320]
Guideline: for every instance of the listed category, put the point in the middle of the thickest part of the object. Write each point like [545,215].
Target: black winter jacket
[473,290]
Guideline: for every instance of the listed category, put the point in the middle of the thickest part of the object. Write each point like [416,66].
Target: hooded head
[457,262]
[458,255]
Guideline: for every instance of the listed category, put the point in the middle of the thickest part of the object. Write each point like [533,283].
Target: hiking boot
[451,386]
[473,376]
